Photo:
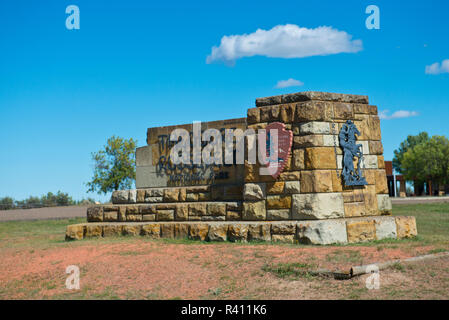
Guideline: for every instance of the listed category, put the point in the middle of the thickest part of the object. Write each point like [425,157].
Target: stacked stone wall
[310,186]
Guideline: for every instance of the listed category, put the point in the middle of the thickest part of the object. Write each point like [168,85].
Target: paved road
[43,213]
[413,200]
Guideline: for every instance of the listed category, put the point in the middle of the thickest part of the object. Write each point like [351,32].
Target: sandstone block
[386,228]
[381,182]
[337,182]
[171,195]
[289,176]
[361,108]
[330,140]
[122,213]
[95,214]
[279,202]
[259,232]
[234,206]
[233,216]
[370,199]
[182,195]
[218,232]
[253,115]
[314,128]
[141,195]
[110,216]
[151,230]
[132,196]
[154,199]
[361,231]
[298,159]
[182,212]
[191,197]
[269,114]
[112,230]
[199,231]
[354,209]
[93,230]
[213,218]
[154,193]
[132,210]
[287,113]
[149,217]
[376,147]
[380,162]
[313,111]
[275,187]
[165,215]
[254,210]
[147,209]
[322,232]
[384,204]
[283,238]
[197,209]
[168,230]
[216,209]
[133,217]
[317,206]
[343,111]
[74,232]
[120,196]
[320,158]
[107,208]
[181,231]
[254,191]
[406,227]
[292,187]
[283,228]
[316,181]
[370,161]
[308,141]
[238,232]
[131,229]
[279,214]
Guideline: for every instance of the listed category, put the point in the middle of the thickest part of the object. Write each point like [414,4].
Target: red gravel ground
[140,268]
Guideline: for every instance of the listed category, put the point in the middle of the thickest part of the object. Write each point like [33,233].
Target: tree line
[422,158]
[47,200]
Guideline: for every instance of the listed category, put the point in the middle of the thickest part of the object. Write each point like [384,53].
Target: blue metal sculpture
[347,138]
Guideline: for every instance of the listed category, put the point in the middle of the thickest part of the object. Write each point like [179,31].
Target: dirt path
[142,269]
[43,213]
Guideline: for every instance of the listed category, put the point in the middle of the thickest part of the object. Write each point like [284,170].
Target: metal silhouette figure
[347,137]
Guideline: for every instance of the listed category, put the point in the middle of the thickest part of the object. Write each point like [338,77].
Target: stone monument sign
[326,180]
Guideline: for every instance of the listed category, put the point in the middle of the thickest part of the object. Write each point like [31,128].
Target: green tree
[6,203]
[114,166]
[428,160]
[406,145]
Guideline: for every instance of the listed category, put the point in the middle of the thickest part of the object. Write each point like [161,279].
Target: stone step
[192,211]
[332,231]
[229,192]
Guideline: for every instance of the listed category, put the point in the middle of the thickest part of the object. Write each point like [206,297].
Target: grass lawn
[34,255]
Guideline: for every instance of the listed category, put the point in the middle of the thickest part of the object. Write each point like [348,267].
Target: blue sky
[137,64]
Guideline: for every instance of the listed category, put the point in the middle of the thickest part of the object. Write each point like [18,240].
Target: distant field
[43,213]
[34,255]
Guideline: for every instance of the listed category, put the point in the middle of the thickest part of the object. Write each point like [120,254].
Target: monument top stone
[311,95]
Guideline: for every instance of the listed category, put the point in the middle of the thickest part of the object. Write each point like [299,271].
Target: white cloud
[284,41]
[288,83]
[437,68]
[397,114]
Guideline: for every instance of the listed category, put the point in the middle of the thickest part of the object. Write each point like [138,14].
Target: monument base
[323,232]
